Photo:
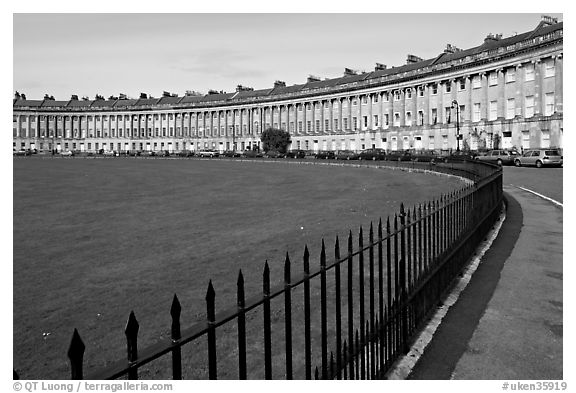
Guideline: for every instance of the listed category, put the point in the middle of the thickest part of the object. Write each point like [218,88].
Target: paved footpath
[507,323]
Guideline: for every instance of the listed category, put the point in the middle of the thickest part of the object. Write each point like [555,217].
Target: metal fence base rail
[371,301]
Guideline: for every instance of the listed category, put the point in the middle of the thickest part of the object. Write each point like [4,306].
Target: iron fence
[368,319]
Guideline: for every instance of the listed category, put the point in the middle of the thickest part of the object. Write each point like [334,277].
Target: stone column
[538,83]
[558,89]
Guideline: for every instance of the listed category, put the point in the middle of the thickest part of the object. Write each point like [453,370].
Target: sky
[87,54]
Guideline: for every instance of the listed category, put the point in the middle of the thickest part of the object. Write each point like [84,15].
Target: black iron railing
[407,264]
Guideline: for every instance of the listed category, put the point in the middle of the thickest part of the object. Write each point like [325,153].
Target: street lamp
[455,105]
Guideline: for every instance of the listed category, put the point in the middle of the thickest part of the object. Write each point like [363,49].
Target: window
[308,125]
[493,110]
[420,118]
[529,107]
[375,120]
[408,93]
[510,108]
[434,89]
[476,112]
[375,98]
[545,141]
[529,72]
[396,119]
[345,123]
[549,104]
[386,96]
[434,116]
[408,118]
[462,84]
[448,113]
[336,124]
[421,91]
[386,120]
[476,82]
[526,139]
[365,121]
[365,99]
[317,126]
[354,101]
[397,95]
[493,79]
[549,71]
[448,87]
[300,126]
[355,123]
[510,75]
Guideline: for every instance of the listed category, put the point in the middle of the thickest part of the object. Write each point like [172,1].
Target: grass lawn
[97,238]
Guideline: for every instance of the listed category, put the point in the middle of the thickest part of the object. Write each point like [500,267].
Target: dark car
[498,156]
[325,155]
[231,153]
[296,154]
[252,154]
[274,154]
[399,156]
[372,154]
[186,153]
[346,155]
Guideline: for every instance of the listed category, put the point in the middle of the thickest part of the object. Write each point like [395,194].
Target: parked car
[252,154]
[67,153]
[372,154]
[163,153]
[273,154]
[186,153]
[22,152]
[346,155]
[498,156]
[148,153]
[208,153]
[325,155]
[231,153]
[539,158]
[296,154]
[399,156]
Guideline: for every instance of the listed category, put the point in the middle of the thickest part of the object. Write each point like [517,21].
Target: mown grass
[97,238]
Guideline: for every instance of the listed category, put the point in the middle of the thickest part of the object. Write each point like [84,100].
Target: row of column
[298,119]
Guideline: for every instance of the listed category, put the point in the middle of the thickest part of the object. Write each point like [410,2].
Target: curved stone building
[506,92]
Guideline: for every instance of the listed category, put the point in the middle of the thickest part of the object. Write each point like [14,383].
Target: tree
[275,139]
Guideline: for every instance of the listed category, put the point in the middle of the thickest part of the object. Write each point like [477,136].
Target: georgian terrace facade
[508,92]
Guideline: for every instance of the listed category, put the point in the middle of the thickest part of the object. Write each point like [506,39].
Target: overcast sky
[108,54]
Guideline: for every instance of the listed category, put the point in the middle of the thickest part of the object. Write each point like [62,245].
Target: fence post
[307,339]
[371,301]
[323,313]
[175,310]
[242,373]
[380,293]
[338,311]
[350,306]
[288,317]
[211,317]
[76,355]
[361,289]
[267,327]
[403,281]
[131,332]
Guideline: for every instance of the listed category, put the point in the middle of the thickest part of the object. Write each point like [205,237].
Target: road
[545,181]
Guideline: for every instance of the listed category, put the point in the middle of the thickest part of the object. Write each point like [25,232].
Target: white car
[208,153]
[67,153]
